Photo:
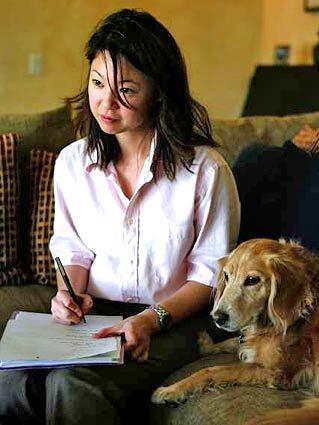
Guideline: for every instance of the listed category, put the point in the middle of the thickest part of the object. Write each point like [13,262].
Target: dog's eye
[251,280]
[226,276]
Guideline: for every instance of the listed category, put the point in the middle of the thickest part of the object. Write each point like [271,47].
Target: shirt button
[129,221]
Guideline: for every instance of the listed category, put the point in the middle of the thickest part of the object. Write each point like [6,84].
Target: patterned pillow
[10,270]
[41,216]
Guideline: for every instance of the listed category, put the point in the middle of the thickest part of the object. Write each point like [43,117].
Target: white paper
[36,337]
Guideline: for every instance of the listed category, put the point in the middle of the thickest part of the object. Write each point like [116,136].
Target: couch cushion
[45,130]
[276,130]
[232,136]
[26,298]
[235,134]
[10,272]
[41,216]
[221,406]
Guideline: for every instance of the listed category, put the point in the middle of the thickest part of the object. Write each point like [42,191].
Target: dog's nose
[220,317]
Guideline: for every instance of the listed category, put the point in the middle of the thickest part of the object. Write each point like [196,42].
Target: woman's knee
[79,393]
[12,382]
[64,379]
[16,394]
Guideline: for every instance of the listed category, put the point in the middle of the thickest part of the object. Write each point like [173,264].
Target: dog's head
[264,280]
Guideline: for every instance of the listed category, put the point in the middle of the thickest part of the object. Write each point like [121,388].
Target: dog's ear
[220,278]
[288,290]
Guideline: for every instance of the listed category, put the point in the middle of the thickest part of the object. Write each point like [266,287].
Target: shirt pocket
[178,243]
[167,244]
[170,254]
[180,232]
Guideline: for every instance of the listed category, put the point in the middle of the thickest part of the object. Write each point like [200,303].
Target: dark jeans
[101,395]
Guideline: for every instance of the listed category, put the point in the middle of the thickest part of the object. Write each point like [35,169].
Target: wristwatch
[163,316]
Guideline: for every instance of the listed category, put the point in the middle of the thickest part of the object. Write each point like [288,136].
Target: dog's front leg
[207,346]
[235,374]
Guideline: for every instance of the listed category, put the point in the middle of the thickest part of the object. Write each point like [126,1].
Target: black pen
[67,282]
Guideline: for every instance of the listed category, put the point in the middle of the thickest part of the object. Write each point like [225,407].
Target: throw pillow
[10,270]
[41,168]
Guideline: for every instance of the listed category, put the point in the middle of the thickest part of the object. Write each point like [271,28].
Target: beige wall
[219,39]
[285,22]
[222,40]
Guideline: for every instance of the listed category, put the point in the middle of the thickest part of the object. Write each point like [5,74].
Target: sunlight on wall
[285,22]
[222,41]
[219,49]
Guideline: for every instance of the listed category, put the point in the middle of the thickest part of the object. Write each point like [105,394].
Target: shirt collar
[91,161]
[146,173]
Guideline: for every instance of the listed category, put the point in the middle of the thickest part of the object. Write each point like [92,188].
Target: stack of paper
[35,340]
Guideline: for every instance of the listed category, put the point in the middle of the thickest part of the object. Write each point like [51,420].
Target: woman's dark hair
[180,121]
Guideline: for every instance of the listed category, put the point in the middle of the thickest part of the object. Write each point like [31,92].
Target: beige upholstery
[221,406]
[51,131]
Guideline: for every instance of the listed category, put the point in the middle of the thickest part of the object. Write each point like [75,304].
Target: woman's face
[134,88]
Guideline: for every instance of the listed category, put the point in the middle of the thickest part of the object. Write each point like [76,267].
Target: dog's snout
[220,317]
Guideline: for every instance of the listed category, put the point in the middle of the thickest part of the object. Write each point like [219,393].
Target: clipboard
[34,340]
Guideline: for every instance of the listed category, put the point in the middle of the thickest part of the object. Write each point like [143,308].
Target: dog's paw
[168,394]
[205,343]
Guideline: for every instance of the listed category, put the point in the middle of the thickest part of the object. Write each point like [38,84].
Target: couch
[28,282]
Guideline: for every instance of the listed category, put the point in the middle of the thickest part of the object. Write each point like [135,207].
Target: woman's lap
[80,393]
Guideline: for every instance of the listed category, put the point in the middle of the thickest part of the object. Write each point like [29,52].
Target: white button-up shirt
[145,248]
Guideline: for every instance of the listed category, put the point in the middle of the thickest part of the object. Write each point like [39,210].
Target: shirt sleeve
[216,221]
[65,242]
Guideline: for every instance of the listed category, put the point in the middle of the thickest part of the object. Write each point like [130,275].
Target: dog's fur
[268,291]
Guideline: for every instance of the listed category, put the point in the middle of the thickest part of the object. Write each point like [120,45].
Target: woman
[144,208]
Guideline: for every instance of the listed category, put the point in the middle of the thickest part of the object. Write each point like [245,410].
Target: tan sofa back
[47,130]
[52,130]
[233,135]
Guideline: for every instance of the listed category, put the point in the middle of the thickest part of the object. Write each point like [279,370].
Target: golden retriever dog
[268,291]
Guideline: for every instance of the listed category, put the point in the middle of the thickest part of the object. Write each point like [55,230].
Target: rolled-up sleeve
[216,223]
[65,242]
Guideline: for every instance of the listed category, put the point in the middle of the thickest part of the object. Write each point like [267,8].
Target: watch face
[166,320]
[164,317]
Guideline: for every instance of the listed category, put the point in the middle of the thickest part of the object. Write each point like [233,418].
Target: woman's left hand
[137,331]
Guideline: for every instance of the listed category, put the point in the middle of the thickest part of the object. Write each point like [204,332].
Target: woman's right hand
[65,311]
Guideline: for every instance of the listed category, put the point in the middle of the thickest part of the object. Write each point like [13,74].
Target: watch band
[164,317]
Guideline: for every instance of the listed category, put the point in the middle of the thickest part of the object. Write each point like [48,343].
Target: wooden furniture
[283,90]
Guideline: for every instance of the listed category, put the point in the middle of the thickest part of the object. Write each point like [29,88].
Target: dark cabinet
[283,90]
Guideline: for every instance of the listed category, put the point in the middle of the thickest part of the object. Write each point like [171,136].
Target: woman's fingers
[104,332]
[85,302]
[137,339]
[62,315]
[140,353]
[144,356]
[64,309]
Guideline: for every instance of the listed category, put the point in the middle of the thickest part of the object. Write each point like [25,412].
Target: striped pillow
[10,270]
[41,216]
